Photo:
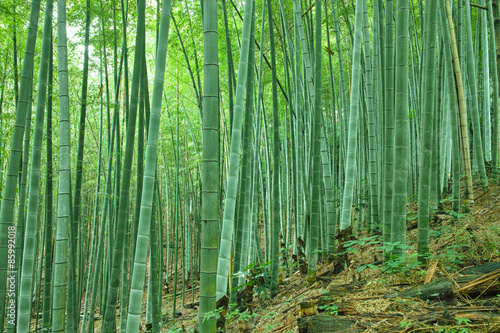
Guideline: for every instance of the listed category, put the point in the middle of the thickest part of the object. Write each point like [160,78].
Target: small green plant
[269,315]
[272,327]
[440,231]
[236,314]
[452,258]
[390,246]
[175,330]
[286,249]
[491,243]
[454,330]
[351,245]
[460,322]
[257,275]
[213,314]
[330,309]
[463,321]
[411,216]
[405,324]
[404,267]
[362,268]
[456,215]
[466,322]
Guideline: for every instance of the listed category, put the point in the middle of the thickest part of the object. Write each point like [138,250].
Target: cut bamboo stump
[307,309]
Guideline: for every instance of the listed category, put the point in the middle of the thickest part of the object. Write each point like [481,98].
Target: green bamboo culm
[9,193]
[109,322]
[487,107]
[316,152]
[177,203]
[494,73]
[48,254]
[139,267]
[93,241]
[210,169]
[20,220]
[462,119]
[453,108]
[472,75]
[64,187]
[388,133]
[255,253]
[230,63]
[460,72]
[401,129]
[299,134]
[234,157]
[427,118]
[275,214]
[77,225]
[352,140]
[96,255]
[370,83]
[28,260]
[241,237]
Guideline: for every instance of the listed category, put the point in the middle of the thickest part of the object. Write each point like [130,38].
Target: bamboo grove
[145,143]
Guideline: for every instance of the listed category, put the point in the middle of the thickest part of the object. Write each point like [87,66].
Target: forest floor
[365,296]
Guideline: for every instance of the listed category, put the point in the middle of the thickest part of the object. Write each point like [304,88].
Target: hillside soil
[371,296]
